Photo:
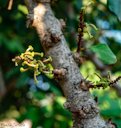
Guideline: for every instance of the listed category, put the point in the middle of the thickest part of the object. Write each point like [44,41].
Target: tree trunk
[84,109]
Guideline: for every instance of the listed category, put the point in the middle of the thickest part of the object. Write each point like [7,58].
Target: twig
[10,4]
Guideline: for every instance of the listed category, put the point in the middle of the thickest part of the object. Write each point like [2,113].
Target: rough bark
[84,109]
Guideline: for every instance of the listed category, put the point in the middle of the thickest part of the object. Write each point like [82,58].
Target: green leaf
[104,53]
[115,7]
[23,9]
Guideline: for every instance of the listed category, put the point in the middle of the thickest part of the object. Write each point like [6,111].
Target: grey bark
[84,109]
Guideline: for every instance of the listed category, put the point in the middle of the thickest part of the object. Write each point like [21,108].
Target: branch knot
[59,73]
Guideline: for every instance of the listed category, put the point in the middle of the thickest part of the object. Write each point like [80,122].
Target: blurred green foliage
[115,7]
[44,107]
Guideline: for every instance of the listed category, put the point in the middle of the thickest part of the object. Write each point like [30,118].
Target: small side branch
[103,68]
[80,31]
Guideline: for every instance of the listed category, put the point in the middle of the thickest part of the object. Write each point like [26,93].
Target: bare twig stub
[79,102]
[10,4]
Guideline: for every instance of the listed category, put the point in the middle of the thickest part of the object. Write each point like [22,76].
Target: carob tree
[79,101]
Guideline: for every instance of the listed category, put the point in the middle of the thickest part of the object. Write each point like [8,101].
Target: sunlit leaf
[23,8]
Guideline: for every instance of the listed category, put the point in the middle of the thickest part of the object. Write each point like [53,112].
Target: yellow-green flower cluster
[30,60]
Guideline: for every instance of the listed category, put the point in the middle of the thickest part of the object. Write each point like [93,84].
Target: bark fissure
[80,103]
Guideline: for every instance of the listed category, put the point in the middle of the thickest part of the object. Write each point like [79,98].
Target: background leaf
[104,53]
[115,7]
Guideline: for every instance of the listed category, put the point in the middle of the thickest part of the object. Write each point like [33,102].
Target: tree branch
[80,103]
